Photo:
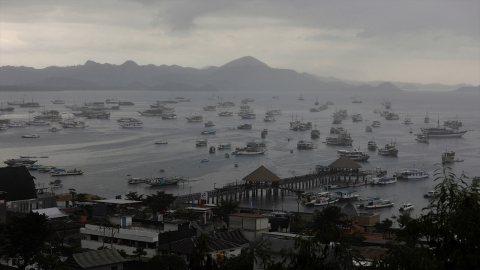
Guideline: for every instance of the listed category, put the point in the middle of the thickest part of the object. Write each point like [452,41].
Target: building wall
[94,245]
[368,219]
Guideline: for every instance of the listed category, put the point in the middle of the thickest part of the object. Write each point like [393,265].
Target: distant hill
[469,89]
[383,87]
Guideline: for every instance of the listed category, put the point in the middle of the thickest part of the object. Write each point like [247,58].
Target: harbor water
[110,154]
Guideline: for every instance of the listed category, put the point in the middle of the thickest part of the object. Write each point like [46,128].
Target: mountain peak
[90,63]
[245,61]
[129,63]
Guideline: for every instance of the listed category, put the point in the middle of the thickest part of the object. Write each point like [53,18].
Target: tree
[201,258]
[187,214]
[166,262]
[81,197]
[160,201]
[26,238]
[140,251]
[50,262]
[385,227]
[225,208]
[445,235]
[134,196]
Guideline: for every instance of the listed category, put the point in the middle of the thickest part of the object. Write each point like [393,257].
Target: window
[94,237]
[114,268]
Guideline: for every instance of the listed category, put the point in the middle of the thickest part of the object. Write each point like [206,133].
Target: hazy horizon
[416,41]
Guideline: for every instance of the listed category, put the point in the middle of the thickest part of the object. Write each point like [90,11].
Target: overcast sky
[409,41]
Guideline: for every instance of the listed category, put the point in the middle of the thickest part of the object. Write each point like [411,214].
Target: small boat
[368,129]
[201,142]
[3,126]
[410,131]
[376,124]
[264,132]
[407,121]
[227,155]
[56,185]
[56,181]
[125,103]
[209,124]
[388,150]
[406,207]
[357,99]
[212,150]
[23,161]
[195,118]
[328,187]
[169,116]
[225,113]
[431,194]
[357,117]
[223,146]
[128,119]
[161,142]
[376,202]
[346,195]
[245,126]
[301,98]
[31,136]
[315,133]
[392,116]
[414,174]
[426,120]
[422,138]
[248,151]
[205,160]
[53,129]
[132,125]
[209,132]
[58,101]
[372,145]
[31,111]
[248,116]
[210,108]
[305,145]
[269,118]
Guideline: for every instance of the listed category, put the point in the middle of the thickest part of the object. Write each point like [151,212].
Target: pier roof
[345,162]
[261,174]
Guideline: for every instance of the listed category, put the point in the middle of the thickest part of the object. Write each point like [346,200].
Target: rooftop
[248,215]
[117,201]
[261,174]
[98,258]
[51,213]
[345,163]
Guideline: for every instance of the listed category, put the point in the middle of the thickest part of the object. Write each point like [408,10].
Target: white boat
[3,126]
[132,125]
[346,195]
[388,150]
[154,112]
[426,120]
[415,174]
[169,116]
[421,138]
[17,124]
[384,180]
[211,108]
[372,145]
[38,123]
[376,202]
[225,113]
[357,99]
[431,194]
[31,136]
[163,181]
[136,180]
[406,207]
[58,101]
[355,155]
[248,116]
[204,160]
[209,132]
[325,201]
[209,124]
[161,142]
[274,112]
[127,119]
[222,146]
[63,172]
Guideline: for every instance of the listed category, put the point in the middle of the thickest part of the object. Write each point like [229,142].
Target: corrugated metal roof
[261,174]
[98,258]
[345,162]
[53,212]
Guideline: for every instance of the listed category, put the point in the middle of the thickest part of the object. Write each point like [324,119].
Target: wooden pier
[263,182]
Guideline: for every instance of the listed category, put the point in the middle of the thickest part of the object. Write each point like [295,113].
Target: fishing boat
[17,124]
[388,150]
[63,172]
[376,202]
[376,124]
[225,113]
[269,118]
[132,125]
[407,121]
[211,150]
[38,123]
[248,151]
[58,101]
[301,98]
[426,120]
[154,112]
[127,119]
[204,160]
[209,124]
[372,145]
[126,103]
[274,112]
[161,142]
[210,108]
[315,133]
[414,174]
[305,145]
[392,116]
[195,118]
[245,126]
[169,116]
[421,138]
[357,117]
[355,155]
[31,136]
[23,161]
[368,128]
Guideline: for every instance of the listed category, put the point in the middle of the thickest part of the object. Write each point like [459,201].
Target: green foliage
[187,214]
[134,196]
[122,253]
[385,227]
[140,251]
[247,257]
[50,262]
[446,236]
[26,238]
[166,262]
[160,201]
[201,258]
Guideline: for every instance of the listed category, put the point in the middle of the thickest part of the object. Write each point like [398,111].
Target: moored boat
[161,142]
[209,132]
[249,151]
[376,202]
[31,136]
[305,145]
[383,180]
[406,207]
[431,194]
[163,181]
[132,125]
[63,172]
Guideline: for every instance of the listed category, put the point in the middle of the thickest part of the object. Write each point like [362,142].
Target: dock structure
[262,182]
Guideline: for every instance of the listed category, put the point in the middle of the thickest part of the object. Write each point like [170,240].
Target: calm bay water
[108,153]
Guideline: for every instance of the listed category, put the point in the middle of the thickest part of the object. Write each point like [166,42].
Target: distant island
[245,73]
